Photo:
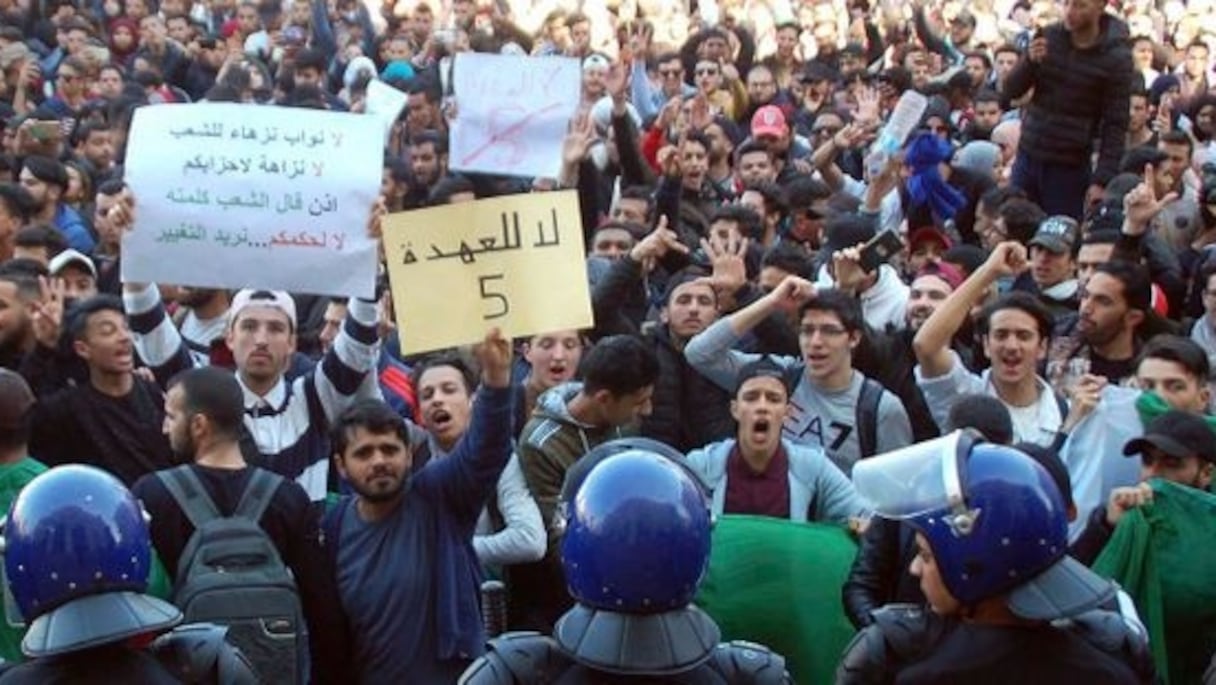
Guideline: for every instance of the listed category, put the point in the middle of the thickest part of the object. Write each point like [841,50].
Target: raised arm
[932,341]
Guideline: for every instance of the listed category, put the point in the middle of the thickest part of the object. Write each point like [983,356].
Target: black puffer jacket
[689,410]
[1079,96]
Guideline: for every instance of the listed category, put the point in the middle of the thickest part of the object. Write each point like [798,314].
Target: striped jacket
[290,425]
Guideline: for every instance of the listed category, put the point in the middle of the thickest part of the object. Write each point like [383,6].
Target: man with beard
[1015,330]
[113,420]
[46,180]
[203,416]
[19,298]
[420,623]
[1115,303]
[759,472]
[428,163]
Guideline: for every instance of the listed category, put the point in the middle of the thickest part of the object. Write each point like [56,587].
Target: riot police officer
[635,548]
[76,559]
[1006,603]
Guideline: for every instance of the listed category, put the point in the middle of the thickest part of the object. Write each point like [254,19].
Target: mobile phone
[879,250]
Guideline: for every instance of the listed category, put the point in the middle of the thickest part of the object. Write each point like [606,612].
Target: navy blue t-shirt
[387,585]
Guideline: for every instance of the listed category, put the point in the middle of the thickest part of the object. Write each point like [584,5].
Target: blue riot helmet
[76,558]
[635,548]
[994,518]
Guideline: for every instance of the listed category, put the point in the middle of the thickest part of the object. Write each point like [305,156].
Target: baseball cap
[15,400]
[769,121]
[929,234]
[275,299]
[597,61]
[69,257]
[764,367]
[1178,434]
[1057,233]
[951,274]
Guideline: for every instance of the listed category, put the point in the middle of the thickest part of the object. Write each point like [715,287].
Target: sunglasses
[707,72]
[670,73]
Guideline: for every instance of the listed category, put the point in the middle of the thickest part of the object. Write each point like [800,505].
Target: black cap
[765,367]
[1058,234]
[1178,434]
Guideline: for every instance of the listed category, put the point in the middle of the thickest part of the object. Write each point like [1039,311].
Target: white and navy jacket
[290,425]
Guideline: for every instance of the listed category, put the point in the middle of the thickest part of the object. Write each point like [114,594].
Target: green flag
[778,583]
[1164,555]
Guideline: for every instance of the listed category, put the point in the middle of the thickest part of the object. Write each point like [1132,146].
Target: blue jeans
[1057,188]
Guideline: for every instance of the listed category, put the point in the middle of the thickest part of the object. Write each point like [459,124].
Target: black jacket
[1079,95]
[879,575]
[690,411]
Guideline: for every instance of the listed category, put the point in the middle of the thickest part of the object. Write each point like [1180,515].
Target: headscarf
[117,55]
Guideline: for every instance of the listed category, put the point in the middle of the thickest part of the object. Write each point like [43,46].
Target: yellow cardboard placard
[516,262]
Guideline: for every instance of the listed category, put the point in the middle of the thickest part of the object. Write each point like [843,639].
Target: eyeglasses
[707,72]
[670,73]
[826,330]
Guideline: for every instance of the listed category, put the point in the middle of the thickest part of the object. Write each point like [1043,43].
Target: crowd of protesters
[1055,207]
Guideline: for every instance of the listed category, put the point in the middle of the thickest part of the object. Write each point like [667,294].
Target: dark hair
[1133,160]
[980,56]
[790,258]
[683,277]
[447,358]
[215,393]
[788,25]
[79,314]
[41,235]
[1022,219]
[1180,350]
[373,416]
[87,128]
[16,201]
[311,58]
[23,274]
[1021,301]
[1050,460]
[750,147]
[995,197]
[620,364]
[697,137]
[773,194]
[984,413]
[1136,281]
[446,187]
[47,170]
[746,218]
[434,138]
[802,191]
[1177,138]
[844,306]
[1104,236]
[987,95]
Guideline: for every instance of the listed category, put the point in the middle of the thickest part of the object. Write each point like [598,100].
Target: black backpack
[231,574]
[867,416]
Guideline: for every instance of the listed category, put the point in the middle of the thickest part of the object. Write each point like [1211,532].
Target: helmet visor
[913,480]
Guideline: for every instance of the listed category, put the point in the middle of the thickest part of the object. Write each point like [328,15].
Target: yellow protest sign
[516,262]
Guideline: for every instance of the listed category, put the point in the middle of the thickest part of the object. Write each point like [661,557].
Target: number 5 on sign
[517,262]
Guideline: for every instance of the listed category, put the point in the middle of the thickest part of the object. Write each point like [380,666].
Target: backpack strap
[867,415]
[258,493]
[188,491]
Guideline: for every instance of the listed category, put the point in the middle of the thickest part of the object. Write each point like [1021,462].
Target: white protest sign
[512,113]
[251,196]
[385,103]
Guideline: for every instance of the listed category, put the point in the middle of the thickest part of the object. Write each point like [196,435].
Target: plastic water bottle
[906,117]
